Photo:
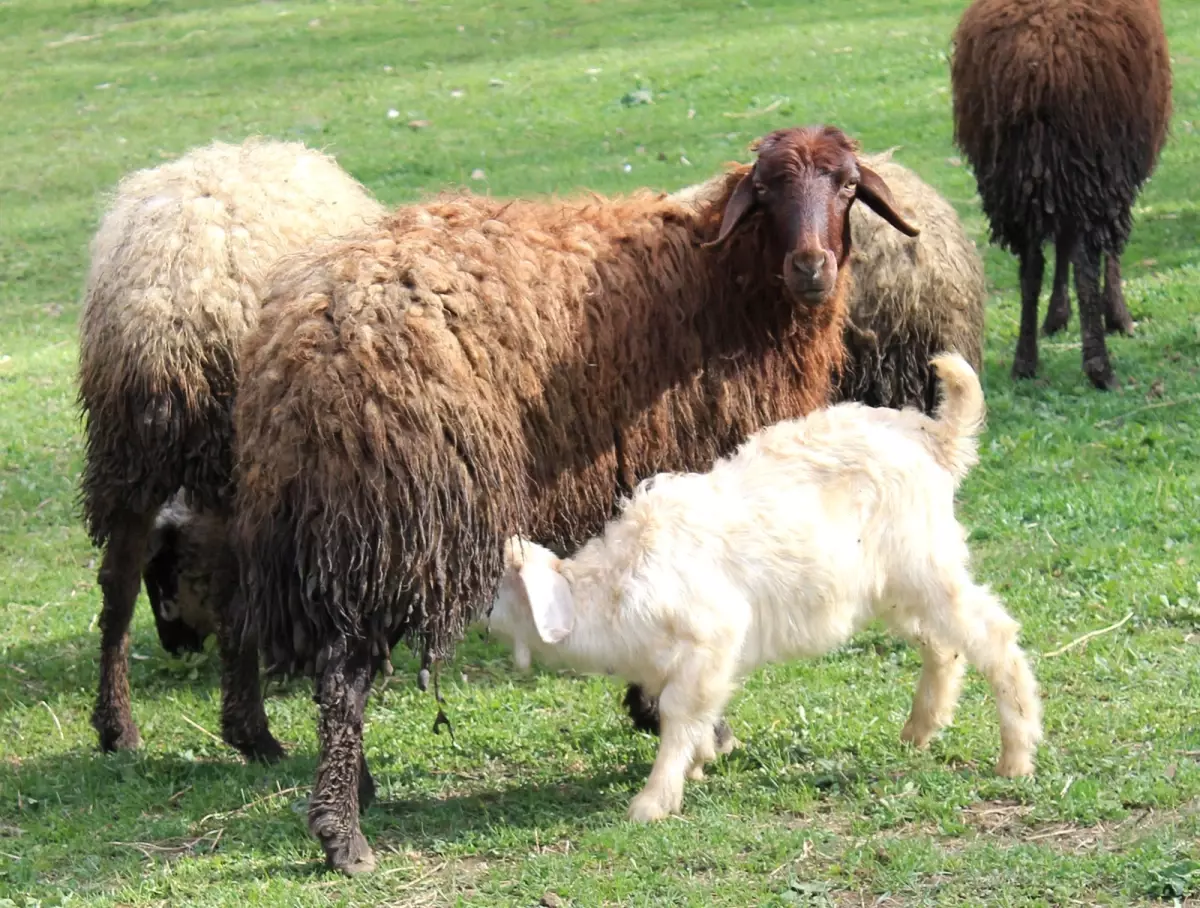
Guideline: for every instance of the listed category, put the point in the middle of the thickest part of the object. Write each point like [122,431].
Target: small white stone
[393,113]
[628,168]
[478,174]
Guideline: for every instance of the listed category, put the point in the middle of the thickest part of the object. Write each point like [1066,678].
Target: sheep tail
[959,416]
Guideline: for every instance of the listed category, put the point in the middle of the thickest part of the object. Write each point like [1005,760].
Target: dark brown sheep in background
[176,273]
[477,368]
[1062,107]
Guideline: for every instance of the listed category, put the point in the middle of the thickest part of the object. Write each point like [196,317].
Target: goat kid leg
[344,679]
[1116,314]
[244,723]
[978,624]
[663,794]
[1091,321]
[688,707]
[120,578]
[1033,266]
[643,711]
[937,693]
[1059,313]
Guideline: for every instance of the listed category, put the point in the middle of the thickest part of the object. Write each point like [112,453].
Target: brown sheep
[1062,108]
[912,297]
[176,274]
[478,368]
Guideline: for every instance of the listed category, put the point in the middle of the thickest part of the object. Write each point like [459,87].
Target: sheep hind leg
[244,723]
[977,625]
[342,688]
[1116,314]
[1096,364]
[1033,266]
[937,692]
[120,578]
[1059,312]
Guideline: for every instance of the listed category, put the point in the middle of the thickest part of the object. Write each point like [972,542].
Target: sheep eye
[760,190]
[850,187]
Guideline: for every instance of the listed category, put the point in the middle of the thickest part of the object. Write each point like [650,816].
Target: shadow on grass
[120,814]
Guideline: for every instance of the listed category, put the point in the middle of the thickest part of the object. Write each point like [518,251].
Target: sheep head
[804,182]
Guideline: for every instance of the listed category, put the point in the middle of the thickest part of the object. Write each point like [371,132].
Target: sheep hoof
[124,737]
[1055,322]
[647,809]
[117,731]
[1100,373]
[1024,368]
[351,858]
[696,773]
[1013,766]
[262,748]
[1119,325]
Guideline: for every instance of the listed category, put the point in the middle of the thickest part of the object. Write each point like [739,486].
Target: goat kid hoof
[917,737]
[351,858]
[696,774]
[647,810]
[1014,767]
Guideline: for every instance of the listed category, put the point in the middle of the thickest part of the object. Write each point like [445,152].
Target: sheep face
[185,551]
[804,183]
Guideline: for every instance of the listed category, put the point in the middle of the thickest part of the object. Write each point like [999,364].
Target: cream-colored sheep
[814,527]
[176,277]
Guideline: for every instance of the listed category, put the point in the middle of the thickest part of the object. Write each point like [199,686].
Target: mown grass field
[1084,510]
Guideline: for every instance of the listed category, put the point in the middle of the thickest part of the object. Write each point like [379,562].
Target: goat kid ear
[550,601]
[875,194]
[740,205]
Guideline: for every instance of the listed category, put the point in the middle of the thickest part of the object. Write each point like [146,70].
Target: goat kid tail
[960,414]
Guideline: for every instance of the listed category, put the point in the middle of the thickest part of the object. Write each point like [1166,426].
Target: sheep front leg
[243,718]
[342,687]
[120,578]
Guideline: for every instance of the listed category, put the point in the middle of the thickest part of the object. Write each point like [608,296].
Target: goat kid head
[804,182]
[533,603]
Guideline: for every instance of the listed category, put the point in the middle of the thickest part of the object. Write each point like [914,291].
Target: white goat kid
[785,549]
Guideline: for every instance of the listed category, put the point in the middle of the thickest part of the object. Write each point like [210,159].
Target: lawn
[1085,509]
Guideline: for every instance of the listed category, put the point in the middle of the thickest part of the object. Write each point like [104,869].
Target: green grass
[1084,509]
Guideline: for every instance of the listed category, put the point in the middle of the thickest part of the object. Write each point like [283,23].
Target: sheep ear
[739,205]
[873,192]
[550,600]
